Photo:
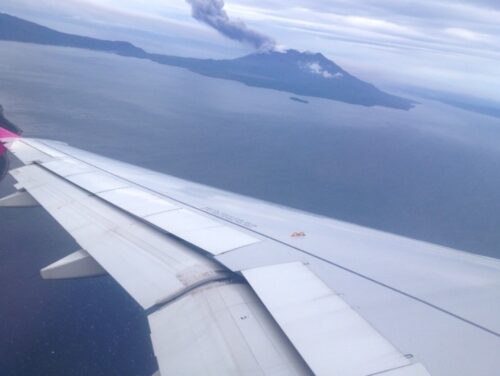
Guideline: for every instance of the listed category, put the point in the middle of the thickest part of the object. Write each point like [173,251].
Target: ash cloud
[212,13]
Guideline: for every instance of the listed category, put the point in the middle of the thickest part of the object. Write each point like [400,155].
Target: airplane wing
[237,286]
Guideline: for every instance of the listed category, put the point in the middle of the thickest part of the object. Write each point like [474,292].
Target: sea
[431,173]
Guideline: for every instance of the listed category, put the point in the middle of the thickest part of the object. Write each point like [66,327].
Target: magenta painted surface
[4,133]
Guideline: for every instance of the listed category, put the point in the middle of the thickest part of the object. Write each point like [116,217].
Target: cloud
[393,42]
[316,68]
[465,34]
[424,42]
[212,13]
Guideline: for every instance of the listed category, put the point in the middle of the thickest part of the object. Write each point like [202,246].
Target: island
[297,72]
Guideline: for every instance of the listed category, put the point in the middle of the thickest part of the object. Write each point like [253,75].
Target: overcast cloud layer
[446,45]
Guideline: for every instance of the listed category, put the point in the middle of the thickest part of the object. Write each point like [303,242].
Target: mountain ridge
[292,71]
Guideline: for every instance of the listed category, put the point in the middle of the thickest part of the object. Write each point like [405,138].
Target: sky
[447,45]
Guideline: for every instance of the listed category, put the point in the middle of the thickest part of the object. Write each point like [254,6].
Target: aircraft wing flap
[97,181]
[138,202]
[67,167]
[200,230]
[221,329]
[331,336]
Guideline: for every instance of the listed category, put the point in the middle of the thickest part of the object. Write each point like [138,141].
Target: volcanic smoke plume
[213,14]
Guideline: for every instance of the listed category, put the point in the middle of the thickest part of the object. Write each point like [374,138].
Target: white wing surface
[233,285]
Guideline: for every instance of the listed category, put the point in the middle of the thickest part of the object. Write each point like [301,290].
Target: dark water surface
[431,173]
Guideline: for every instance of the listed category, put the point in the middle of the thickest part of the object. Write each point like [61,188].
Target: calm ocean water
[431,173]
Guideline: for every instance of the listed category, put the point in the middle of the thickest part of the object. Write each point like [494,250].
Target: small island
[300,100]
